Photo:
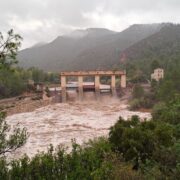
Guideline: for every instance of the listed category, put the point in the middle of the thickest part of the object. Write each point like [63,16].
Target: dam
[96,86]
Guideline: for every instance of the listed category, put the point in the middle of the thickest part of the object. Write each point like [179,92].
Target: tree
[140,141]
[11,83]
[9,45]
[10,141]
[155,64]
[8,48]
[168,112]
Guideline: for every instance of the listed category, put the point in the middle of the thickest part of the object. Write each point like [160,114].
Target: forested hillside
[163,47]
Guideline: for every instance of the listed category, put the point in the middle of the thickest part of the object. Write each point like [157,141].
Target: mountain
[58,54]
[93,48]
[107,54]
[163,46]
[38,44]
[90,33]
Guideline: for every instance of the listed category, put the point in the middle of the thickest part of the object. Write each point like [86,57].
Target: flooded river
[60,123]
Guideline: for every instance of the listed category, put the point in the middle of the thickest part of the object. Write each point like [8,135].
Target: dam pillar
[63,88]
[113,85]
[123,81]
[97,86]
[80,87]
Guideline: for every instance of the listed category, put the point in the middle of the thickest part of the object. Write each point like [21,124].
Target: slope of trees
[159,50]
[13,80]
[163,91]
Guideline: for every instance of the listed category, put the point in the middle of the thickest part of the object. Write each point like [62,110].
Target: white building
[158,74]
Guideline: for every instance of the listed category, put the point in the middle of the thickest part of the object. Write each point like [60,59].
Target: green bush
[11,84]
[93,160]
[143,102]
[135,104]
[147,145]
[169,112]
[138,91]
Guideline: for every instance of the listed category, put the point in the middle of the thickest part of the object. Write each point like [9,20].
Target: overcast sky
[44,20]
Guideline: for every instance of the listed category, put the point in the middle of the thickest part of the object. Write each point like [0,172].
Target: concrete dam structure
[80,75]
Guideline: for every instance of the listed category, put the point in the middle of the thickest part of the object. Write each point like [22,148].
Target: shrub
[138,91]
[139,142]
[144,102]
[169,112]
[135,104]
[93,160]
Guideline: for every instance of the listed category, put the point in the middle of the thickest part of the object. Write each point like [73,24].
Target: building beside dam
[158,74]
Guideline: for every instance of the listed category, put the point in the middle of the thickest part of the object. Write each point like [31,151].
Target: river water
[60,123]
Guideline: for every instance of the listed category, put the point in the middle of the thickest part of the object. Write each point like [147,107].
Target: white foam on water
[60,123]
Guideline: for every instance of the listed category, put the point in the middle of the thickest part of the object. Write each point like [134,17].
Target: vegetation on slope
[163,91]
[14,80]
[162,47]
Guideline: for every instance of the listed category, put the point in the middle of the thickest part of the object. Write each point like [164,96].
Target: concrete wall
[96,74]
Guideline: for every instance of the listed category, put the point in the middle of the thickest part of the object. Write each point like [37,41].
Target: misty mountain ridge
[90,32]
[39,44]
[89,49]
[163,46]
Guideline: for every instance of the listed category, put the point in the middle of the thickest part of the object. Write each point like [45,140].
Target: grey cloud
[43,20]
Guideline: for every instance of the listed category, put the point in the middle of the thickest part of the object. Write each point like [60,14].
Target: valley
[91,104]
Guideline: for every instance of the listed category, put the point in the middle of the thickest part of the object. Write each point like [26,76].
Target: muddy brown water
[60,123]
